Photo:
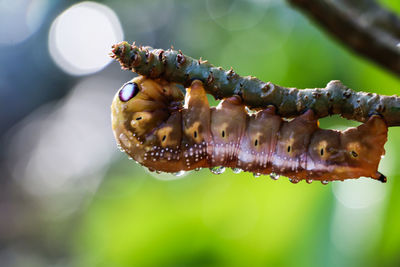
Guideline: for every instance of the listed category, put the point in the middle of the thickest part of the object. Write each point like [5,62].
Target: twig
[335,98]
[362,25]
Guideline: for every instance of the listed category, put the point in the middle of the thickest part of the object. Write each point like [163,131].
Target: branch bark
[362,25]
[335,98]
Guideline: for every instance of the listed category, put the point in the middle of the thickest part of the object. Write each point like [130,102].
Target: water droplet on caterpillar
[274,176]
[256,174]
[293,181]
[217,170]
[237,170]
[120,148]
[324,182]
[151,169]
[309,181]
[197,169]
[178,174]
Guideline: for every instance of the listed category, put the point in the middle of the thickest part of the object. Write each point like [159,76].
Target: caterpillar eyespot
[128,92]
[165,130]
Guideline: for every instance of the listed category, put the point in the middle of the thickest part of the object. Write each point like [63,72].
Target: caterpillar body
[156,128]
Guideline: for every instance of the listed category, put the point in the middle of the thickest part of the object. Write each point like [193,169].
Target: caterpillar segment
[157,130]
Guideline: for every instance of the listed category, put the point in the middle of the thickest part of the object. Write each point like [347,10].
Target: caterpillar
[165,130]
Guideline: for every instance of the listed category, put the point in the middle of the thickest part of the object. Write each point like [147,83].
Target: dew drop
[237,170]
[178,174]
[120,148]
[325,182]
[217,170]
[256,174]
[197,169]
[309,181]
[293,181]
[274,176]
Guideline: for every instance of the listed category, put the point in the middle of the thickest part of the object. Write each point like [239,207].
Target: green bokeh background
[138,218]
[235,219]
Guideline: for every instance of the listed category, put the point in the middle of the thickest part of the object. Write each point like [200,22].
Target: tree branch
[362,25]
[335,98]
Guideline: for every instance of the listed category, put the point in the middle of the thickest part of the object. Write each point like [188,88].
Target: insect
[165,130]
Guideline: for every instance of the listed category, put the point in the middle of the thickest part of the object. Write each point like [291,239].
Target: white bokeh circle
[81,37]
[20,19]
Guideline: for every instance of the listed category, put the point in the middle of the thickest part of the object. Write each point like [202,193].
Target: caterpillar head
[353,153]
[139,106]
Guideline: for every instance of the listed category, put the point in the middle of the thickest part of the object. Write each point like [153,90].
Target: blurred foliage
[391,5]
[136,219]
[234,219]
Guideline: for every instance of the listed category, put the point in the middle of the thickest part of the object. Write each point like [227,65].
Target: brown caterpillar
[152,125]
